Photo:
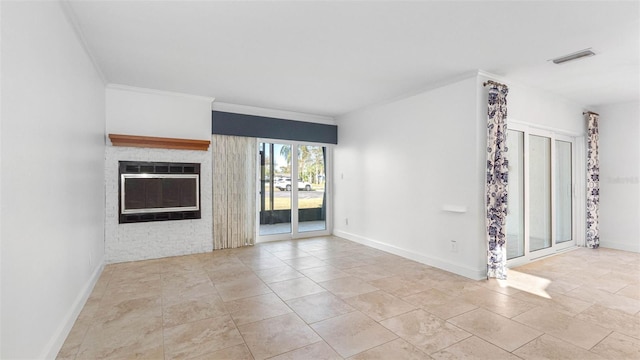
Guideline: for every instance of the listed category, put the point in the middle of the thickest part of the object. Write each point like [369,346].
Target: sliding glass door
[275,200]
[539,179]
[312,186]
[515,205]
[564,191]
[292,190]
[540,203]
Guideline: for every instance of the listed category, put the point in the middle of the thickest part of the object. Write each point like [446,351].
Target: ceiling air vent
[576,55]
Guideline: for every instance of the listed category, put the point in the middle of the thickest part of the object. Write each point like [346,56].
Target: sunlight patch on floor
[526,282]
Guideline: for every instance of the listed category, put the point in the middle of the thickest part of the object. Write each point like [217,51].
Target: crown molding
[158,92]
[272,113]
[431,86]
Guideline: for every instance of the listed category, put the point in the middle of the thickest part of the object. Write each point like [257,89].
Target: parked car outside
[284,184]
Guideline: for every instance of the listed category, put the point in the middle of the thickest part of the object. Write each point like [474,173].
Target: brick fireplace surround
[150,240]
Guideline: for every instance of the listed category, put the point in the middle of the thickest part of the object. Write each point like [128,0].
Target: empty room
[319,179]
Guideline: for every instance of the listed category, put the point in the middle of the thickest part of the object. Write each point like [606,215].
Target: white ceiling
[330,58]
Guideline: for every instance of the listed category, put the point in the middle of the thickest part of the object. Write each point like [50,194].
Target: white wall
[619,174]
[137,111]
[536,107]
[52,178]
[134,111]
[398,164]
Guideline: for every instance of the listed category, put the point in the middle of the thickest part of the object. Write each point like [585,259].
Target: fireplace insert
[158,191]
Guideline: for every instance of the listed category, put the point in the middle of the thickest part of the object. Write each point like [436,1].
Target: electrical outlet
[346,221]
[454,246]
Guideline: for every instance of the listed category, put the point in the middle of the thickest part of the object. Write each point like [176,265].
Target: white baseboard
[475,274]
[620,246]
[58,338]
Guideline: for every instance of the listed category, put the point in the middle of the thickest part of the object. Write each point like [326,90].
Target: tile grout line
[163,276]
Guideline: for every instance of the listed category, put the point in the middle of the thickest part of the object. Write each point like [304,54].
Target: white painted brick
[157,239]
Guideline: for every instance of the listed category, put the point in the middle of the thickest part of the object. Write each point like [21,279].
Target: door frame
[328,169]
[553,135]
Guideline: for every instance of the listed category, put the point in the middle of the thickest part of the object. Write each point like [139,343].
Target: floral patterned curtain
[497,179]
[593,181]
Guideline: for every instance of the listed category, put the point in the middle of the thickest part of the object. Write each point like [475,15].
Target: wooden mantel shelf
[158,142]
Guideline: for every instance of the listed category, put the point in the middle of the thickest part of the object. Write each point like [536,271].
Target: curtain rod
[590,112]
[492,83]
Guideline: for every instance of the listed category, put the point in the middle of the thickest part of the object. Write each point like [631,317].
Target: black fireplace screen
[159,191]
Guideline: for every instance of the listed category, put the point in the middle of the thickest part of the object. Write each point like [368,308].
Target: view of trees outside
[264,149]
[310,165]
[276,192]
[311,170]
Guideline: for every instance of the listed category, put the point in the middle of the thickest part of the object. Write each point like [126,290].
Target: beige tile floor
[329,298]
